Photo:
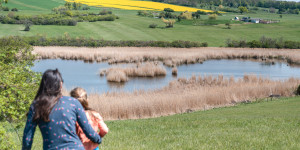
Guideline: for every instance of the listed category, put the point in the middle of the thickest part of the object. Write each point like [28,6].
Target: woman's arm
[101,124]
[29,130]
[85,126]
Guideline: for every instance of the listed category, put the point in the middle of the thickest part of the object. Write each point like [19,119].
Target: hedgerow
[66,40]
[264,42]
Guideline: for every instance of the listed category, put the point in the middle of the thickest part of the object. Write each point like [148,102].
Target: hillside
[133,27]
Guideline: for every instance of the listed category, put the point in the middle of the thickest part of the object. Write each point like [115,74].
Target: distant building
[255,20]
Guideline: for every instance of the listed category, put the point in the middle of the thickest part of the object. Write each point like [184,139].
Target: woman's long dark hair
[48,94]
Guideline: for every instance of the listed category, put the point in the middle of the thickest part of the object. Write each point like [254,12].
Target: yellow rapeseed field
[135,5]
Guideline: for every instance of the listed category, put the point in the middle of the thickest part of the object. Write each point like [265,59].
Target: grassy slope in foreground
[264,125]
[133,27]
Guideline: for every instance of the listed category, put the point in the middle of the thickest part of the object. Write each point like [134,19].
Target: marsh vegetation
[189,94]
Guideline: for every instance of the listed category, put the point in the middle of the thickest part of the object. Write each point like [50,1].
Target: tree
[69,5]
[169,23]
[3,1]
[168,10]
[213,17]
[228,25]
[243,9]
[27,24]
[18,86]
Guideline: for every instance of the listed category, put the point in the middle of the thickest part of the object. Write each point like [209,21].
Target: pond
[86,75]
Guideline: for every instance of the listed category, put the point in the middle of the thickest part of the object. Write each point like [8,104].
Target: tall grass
[118,74]
[169,56]
[185,95]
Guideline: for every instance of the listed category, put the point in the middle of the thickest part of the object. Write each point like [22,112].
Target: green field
[258,125]
[133,27]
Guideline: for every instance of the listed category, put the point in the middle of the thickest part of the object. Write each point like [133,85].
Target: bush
[72,22]
[264,42]
[297,92]
[152,25]
[168,10]
[212,17]
[5,8]
[27,25]
[85,8]
[68,41]
[105,12]
[14,9]
[67,18]
[18,86]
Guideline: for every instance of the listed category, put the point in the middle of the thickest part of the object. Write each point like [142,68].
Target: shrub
[264,42]
[85,8]
[27,25]
[169,23]
[14,9]
[168,10]
[18,82]
[212,17]
[69,13]
[297,92]
[254,44]
[72,22]
[152,25]
[68,41]
[5,8]
[105,12]
[204,44]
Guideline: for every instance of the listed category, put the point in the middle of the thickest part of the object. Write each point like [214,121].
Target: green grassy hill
[133,27]
[259,125]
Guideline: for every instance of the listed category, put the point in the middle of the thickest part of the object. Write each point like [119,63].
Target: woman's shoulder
[68,99]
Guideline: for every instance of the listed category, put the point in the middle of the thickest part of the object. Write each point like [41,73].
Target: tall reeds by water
[185,95]
[121,74]
[169,56]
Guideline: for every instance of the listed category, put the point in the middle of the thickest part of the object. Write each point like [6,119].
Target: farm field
[133,27]
[259,125]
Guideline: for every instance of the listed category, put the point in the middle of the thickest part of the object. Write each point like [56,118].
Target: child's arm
[101,124]
[84,124]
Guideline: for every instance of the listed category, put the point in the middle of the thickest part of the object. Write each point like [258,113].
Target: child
[94,119]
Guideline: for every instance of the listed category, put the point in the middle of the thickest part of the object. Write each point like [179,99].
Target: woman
[56,116]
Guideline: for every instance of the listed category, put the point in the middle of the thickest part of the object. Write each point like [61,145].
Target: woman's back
[60,132]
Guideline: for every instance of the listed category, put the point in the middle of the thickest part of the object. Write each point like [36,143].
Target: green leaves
[18,84]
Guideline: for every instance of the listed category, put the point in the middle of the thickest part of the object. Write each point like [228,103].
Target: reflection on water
[86,75]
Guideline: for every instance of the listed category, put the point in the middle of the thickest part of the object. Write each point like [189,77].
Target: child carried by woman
[93,117]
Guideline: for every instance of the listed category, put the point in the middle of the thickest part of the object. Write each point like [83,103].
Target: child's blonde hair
[80,94]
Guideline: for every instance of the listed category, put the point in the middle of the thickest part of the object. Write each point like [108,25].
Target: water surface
[86,75]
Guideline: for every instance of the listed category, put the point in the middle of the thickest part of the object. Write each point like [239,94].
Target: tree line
[282,6]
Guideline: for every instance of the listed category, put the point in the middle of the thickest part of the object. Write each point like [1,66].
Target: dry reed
[116,75]
[149,69]
[174,71]
[169,56]
[185,95]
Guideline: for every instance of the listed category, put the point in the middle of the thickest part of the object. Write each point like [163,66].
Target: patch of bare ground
[187,95]
[169,56]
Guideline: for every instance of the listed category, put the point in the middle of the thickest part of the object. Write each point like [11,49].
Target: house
[255,20]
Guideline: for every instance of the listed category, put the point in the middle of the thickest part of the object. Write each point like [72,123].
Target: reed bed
[169,56]
[186,95]
[118,74]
